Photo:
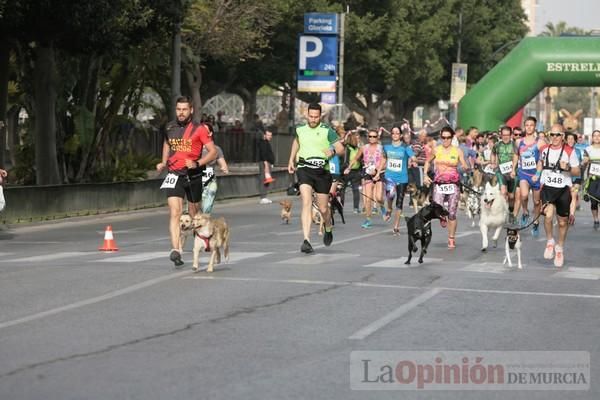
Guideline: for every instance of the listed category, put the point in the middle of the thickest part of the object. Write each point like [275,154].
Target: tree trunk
[45,115]
[175,72]
[4,53]
[194,80]
[373,117]
[12,130]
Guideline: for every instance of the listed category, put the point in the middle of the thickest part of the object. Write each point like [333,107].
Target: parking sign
[317,63]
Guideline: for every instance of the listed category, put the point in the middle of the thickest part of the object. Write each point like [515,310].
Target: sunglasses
[446,137]
[372,137]
[555,134]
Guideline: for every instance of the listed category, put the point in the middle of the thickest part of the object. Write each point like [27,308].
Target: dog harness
[206,240]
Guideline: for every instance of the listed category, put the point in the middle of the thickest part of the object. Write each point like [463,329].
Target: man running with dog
[446,181]
[526,158]
[315,143]
[181,155]
[558,162]
[502,162]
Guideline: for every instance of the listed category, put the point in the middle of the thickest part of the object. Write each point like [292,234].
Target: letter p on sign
[305,53]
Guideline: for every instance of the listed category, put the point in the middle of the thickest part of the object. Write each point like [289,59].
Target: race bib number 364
[170,181]
[395,165]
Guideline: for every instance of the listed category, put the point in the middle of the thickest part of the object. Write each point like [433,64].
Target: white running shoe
[265,201]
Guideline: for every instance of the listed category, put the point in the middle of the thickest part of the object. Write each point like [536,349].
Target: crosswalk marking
[399,262]
[50,257]
[493,268]
[579,273]
[135,257]
[317,258]
[244,255]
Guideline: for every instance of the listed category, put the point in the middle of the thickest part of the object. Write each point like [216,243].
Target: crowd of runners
[555,169]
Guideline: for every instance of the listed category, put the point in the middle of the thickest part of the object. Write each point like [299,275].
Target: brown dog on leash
[212,235]
[286,211]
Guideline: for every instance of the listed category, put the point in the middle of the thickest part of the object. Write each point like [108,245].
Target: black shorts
[559,197]
[507,181]
[188,188]
[318,178]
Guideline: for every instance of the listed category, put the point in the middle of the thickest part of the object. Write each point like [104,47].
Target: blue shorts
[524,176]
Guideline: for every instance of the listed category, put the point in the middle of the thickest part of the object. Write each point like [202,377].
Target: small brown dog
[186,229]
[286,211]
[318,219]
[212,235]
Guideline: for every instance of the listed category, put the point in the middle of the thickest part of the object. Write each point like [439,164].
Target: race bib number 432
[170,181]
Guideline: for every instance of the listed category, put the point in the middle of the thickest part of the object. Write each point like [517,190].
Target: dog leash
[470,188]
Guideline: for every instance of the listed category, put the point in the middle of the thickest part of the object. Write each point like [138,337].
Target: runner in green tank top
[314,145]
[503,162]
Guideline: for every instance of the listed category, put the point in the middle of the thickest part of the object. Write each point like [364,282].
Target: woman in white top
[591,187]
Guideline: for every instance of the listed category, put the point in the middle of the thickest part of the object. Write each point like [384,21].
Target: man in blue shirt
[396,174]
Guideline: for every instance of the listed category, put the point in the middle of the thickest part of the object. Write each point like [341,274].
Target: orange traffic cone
[109,241]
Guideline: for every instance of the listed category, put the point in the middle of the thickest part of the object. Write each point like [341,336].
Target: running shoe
[559,258]
[306,247]
[511,219]
[524,219]
[387,216]
[367,224]
[535,230]
[328,237]
[549,252]
[396,231]
[175,256]
[451,243]
[356,211]
[596,225]
[383,211]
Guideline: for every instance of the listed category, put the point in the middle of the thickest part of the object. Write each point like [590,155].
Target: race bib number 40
[528,163]
[170,181]
[447,188]
[595,169]
[506,168]
[395,165]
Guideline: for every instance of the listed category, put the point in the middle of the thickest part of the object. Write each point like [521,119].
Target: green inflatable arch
[535,63]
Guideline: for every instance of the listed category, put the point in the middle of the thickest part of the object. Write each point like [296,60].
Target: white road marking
[467,233]
[493,268]
[241,255]
[579,273]
[397,313]
[317,259]
[93,300]
[50,257]
[297,232]
[135,257]
[392,286]
[399,262]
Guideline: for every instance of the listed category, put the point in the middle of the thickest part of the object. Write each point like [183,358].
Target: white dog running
[494,211]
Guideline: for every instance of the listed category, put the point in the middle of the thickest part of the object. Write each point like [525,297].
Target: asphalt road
[272,323]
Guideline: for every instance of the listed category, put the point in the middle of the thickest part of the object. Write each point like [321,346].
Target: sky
[583,14]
